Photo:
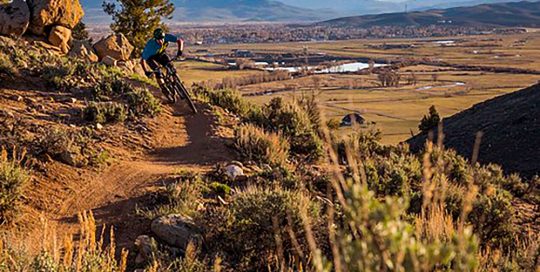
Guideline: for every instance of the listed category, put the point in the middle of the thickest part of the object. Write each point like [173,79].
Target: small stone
[99,126]
[176,230]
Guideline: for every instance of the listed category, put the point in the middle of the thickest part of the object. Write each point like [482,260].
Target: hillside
[227,10]
[511,131]
[524,13]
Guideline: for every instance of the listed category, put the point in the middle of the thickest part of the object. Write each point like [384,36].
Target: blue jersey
[152,48]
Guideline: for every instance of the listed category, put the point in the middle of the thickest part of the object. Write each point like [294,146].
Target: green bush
[255,144]
[251,233]
[294,123]
[6,66]
[141,102]
[111,86]
[104,112]
[13,179]
[229,99]
[177,198]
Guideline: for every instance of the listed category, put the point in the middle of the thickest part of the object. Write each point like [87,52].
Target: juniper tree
[137,19]
[80,33]
[430,121]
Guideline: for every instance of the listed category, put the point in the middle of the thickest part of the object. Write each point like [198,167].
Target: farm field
[396,111]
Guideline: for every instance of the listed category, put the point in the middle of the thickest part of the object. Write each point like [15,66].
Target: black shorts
[158,59]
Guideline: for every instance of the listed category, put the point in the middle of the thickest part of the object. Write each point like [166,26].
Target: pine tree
[137,19]
[80,33]
[430,121]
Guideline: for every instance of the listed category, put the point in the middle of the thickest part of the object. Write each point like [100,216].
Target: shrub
[74,148]
[177,198]
[255,144]
[229,99]
[295,124]
[430,121]
[257,216]
[104,112]
[13,179]
[6,66]
[142,102]
[111,86]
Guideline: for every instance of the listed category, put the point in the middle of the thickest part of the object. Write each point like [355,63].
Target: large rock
[84,51]
[60,37]
[115,46]
[14,18]
[176,230]
[47,13]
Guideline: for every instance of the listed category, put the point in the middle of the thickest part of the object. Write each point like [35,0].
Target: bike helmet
[159,34]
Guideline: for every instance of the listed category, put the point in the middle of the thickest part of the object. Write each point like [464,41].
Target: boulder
[177,231]
[233,171]
[109,61]
[60,37]
[47,13]
[14,18]
[116,46]
[83,50]
[132,67]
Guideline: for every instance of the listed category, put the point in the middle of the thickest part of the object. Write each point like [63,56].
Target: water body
[341,68]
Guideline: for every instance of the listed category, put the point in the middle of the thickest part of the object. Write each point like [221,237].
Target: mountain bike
[174,87]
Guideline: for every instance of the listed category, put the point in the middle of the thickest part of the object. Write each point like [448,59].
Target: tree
[430,121]
[80,33]
[137,19]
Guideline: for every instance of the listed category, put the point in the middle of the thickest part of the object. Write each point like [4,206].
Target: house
[352,118]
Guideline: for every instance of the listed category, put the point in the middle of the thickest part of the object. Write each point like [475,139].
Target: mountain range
[283,10]
[526,14]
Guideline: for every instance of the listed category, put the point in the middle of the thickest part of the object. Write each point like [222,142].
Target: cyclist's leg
[154,63]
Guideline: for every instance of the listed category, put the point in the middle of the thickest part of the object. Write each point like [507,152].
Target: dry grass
[255,144]
[88,253]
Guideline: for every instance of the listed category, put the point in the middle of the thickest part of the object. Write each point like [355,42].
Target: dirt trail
[182,140]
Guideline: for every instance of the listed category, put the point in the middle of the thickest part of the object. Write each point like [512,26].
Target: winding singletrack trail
[182,141]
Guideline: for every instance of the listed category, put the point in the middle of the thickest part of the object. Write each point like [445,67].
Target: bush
[111,86]
[430,121]
[71,147]
[228,99]
[104,112]
[6,66]
[257,216]
[141,102]
[294,123]
[177,198]
[13,179]
[255,144]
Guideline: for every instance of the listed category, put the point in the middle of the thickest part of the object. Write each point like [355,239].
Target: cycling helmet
[159,34]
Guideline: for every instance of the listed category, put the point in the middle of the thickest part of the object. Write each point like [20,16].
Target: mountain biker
[154,55]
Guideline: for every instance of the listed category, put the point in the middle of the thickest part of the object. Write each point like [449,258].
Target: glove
[149,74]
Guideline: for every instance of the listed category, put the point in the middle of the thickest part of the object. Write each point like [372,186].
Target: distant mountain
[363,7]
[524,13]
[511,131]
[227,10]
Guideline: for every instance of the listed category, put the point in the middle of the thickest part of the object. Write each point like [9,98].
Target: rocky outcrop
[115,46]
[60,37]
[84,51]
[14,18]
[48,13]
[176,230]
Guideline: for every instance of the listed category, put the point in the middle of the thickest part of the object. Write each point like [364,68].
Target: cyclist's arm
[143,64]
[180,43]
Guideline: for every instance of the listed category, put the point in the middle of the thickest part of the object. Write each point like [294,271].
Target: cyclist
[154,55]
